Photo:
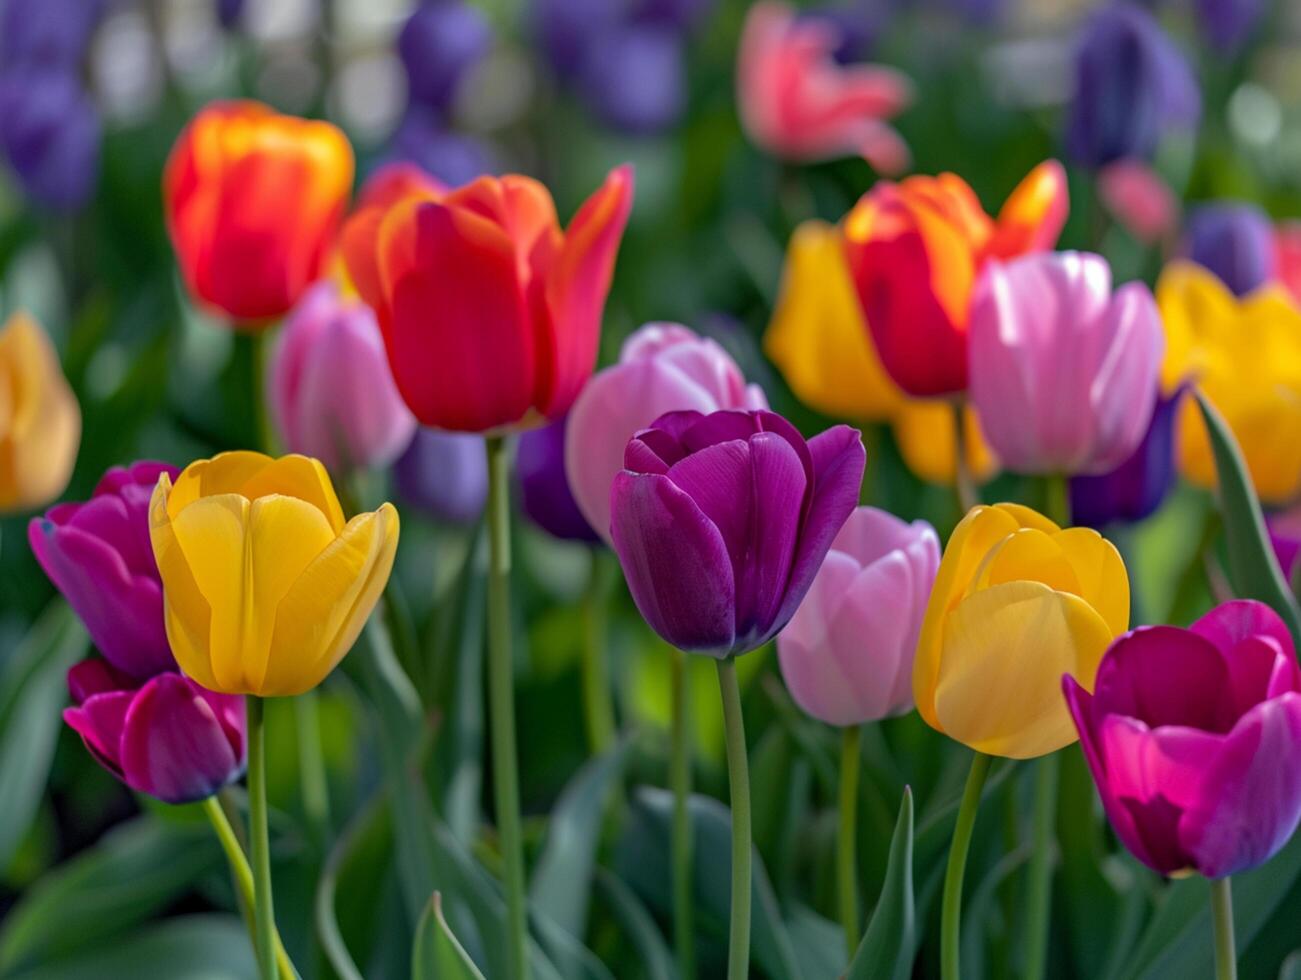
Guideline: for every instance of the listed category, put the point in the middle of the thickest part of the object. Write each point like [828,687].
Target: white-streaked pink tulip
[847,655]
[1063,372]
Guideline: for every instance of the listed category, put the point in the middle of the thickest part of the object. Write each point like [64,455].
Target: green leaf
[137,869]
[327,920]
[653,952]
[1291,969]
[437,954]
[1253,571]
[890,943]
[32,690]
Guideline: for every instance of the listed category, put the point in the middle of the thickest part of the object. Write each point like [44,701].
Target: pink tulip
[1063,372]
[847,655]
[663,367]
[1139,199]
[799,104]
[330,388]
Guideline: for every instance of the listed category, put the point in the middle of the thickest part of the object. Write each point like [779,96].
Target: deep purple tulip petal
[676,564]
[444,474]
[1231,622]
[720,481]
[780,486]
[99,722]
[545,495]
[1162,675]
[94,676]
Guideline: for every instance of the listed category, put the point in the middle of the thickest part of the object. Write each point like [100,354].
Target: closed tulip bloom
[663,367]
[847,655]
[439,44]
[50,132]
[97,553]
[721,522]
[1226,24]
[1235,241]
[253,200]
[329,386]
[490,313]
[167,736]
[1139,199]
[915,249]
[798,103]
[1064,373]
[1193,737]
[544,488]
[634,77]
[265,587]
[444,474]
[40,422]
[1017,603]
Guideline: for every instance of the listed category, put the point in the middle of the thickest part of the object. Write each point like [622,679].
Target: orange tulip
[253,201]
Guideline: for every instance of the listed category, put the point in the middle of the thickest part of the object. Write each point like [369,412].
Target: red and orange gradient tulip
[253,202]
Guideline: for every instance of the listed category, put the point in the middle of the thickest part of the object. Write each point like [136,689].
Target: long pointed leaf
[890,943]
[437,955]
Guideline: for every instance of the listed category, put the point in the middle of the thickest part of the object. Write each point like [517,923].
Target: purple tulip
[566,29]
[46,32]
[847,655]
[49,131]
[167,737]
[98,554]
[440,42]
[681,15]
[230,13]
[1135,489]
[721,522]
[1285,535]
[444,474]
[1227,23]
[544,490]
[1235,241]
[634,78]
[1194,740]
[453,158]
[1132,85]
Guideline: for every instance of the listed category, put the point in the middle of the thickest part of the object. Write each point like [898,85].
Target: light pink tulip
[329,386]
[1063,372]
[847,655]
[663,367]
[799,104]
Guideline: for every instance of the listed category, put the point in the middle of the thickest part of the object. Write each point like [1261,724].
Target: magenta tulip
[663,367]
[330,388]
[1063,372]
[1285,535]
[97,553]
[167,737]
[1194,740]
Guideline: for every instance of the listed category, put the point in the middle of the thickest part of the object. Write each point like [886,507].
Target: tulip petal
[720,481]
[1034,214]
[1162,675]
[820,684]
[1104,582]
[1124,391]
[779,487]
[94,676]
[1229,623]
[1027,555]
[99,723]
[187,613]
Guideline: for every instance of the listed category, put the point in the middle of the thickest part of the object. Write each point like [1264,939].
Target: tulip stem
[597,703]
[1040,873]
[1226,957]
[311,760]
[263,909]
[1058,504]
[847,847]
[963,485]
[738,780]
[501,704]
[951,911]
[680,781]
[243,876]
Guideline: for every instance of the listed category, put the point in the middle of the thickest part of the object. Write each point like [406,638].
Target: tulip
[444,474]
[544,491]
[329,386]
[423,139]
[439,44]
[1139,199]
[1063,372]
[1132,86]
[1245,355]
[50,133]
[799,103]
[491,315]
[634,79]
[1017,603]
[1226,24]
[1287,257]
[1285,537]
[253,200]
[97,554]
[40,423]
[167,737]
[47,32]
[1193,737]
[1235,241]
[847,654]
[721,522]
[915,249]
[663,367]
[265,587]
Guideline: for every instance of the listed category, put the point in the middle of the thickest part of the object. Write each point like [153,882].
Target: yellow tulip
[925,432]
[40,423]
[1245,355]
[1017,603]
[265,588]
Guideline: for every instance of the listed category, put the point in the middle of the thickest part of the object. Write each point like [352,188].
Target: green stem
[501,704]
[738,780]
[598,708]
[1058,500]
[681,843]
[243,876]
[311,765]
[963,484]
[951,911]
[1226,958]
[263,910]
[1040,874]
[266,434]
[847,846]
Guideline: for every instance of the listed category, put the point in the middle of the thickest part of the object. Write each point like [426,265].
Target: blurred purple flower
[544,489]
[1235,241]
[440,42]
[229,13]
[444,474]
[46,32]
[453,158]
[566,28]
[1227,23]
[679,14]
[634,78]
[49,131]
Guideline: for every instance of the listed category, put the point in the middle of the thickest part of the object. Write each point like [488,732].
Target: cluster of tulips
[471,310]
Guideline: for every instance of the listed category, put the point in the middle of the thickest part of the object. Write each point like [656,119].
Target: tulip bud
[1193,737]
[634,78]
[544,490]
[721,522]
[444,474]
[50,132]
[1235,241]
[167,737]
[847,655]
[438,45]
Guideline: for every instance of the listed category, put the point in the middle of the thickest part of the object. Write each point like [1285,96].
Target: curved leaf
[639,924]
[437,954]
[890,943]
